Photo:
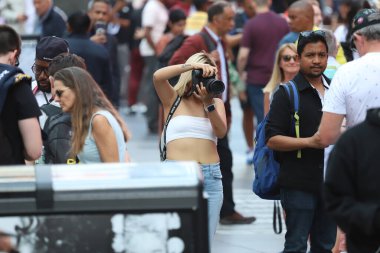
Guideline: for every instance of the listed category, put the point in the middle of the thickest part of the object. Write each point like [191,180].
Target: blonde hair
[88,97]
[278,74]
[185,78]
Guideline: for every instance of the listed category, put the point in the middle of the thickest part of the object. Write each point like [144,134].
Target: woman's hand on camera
[207,70]
[203,95]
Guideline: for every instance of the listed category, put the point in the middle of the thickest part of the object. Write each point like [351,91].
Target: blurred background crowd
[124,27]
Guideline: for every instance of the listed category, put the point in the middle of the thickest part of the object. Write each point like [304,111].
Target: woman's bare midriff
[192,149]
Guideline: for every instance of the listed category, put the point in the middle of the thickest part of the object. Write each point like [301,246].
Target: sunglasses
[38,70]
[308,34]
[17,63]
[288,58]
[59,93]
[352,42]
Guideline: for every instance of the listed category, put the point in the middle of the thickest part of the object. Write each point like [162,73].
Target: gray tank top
[90,152]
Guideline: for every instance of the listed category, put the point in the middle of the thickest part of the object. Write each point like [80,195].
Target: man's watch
[210,108]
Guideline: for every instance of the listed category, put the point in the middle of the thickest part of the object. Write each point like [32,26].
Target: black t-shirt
[20,104]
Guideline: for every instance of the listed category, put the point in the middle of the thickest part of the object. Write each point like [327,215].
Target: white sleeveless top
[183,126]
[90,152]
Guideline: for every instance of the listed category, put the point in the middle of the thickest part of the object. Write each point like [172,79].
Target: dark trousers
[151,99]
[306,217]
[137,67]
[225,156]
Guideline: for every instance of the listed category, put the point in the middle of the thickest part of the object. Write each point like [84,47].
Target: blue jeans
[212,183]
[256,100]
[213,187]
[305,216]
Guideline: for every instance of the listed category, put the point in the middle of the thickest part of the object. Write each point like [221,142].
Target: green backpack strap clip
[291,89]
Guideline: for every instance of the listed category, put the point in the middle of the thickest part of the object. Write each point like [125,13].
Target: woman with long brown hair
[99,133]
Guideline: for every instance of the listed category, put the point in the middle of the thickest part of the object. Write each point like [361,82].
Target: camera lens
[214,86]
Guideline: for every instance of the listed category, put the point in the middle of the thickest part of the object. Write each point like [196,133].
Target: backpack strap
[293,94]
[170,115]
[277,220]
[50,110]
[209,42]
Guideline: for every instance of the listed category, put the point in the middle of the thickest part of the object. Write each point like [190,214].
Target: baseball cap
[51,46]
[364,18]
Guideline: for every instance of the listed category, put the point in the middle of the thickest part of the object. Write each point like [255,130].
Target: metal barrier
[152,207]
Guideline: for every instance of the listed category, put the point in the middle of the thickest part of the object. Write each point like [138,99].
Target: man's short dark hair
[9,40]
[199,4]
[216,8]
[308,37]
[176,15]
[92,2]
[79,22]
[65,61]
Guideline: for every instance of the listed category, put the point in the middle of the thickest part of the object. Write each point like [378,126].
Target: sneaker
[139,108]
[250,156]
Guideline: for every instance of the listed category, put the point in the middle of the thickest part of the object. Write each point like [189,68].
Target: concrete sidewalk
[254,238]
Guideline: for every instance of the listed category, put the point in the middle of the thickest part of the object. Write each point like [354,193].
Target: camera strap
[163,135]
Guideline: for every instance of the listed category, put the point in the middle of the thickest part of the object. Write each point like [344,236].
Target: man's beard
[311,75]
[45,88]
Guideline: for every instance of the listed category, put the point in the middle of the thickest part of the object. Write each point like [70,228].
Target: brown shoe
[237,219]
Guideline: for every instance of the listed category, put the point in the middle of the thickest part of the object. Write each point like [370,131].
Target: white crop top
[183,126]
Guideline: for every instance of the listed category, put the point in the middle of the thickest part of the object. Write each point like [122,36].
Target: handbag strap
[170,115]
[277,221]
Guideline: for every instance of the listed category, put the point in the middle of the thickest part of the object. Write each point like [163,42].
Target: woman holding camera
[199,120]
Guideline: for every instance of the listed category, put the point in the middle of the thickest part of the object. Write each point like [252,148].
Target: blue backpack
[265,166]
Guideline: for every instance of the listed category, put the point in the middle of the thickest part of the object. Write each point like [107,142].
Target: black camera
[212,85]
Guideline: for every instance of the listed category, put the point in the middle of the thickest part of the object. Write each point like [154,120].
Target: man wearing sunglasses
[299,151]
[20,135]
[46,49]
[354,90]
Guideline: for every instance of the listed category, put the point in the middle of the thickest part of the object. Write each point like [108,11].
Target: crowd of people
[187,58]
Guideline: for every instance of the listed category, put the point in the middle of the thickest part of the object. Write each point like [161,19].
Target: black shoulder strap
[209,42]
[46,99]
[50,109]
[170,115]
[171,47]
[277,220]
[291,89]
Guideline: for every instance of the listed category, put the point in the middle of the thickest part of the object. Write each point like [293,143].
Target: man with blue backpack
[291,132]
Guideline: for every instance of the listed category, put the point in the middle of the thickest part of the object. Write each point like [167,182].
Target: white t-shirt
[340,33]
[155,15]
[355,88]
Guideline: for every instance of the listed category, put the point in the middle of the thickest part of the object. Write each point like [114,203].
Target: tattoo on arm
[185,65]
